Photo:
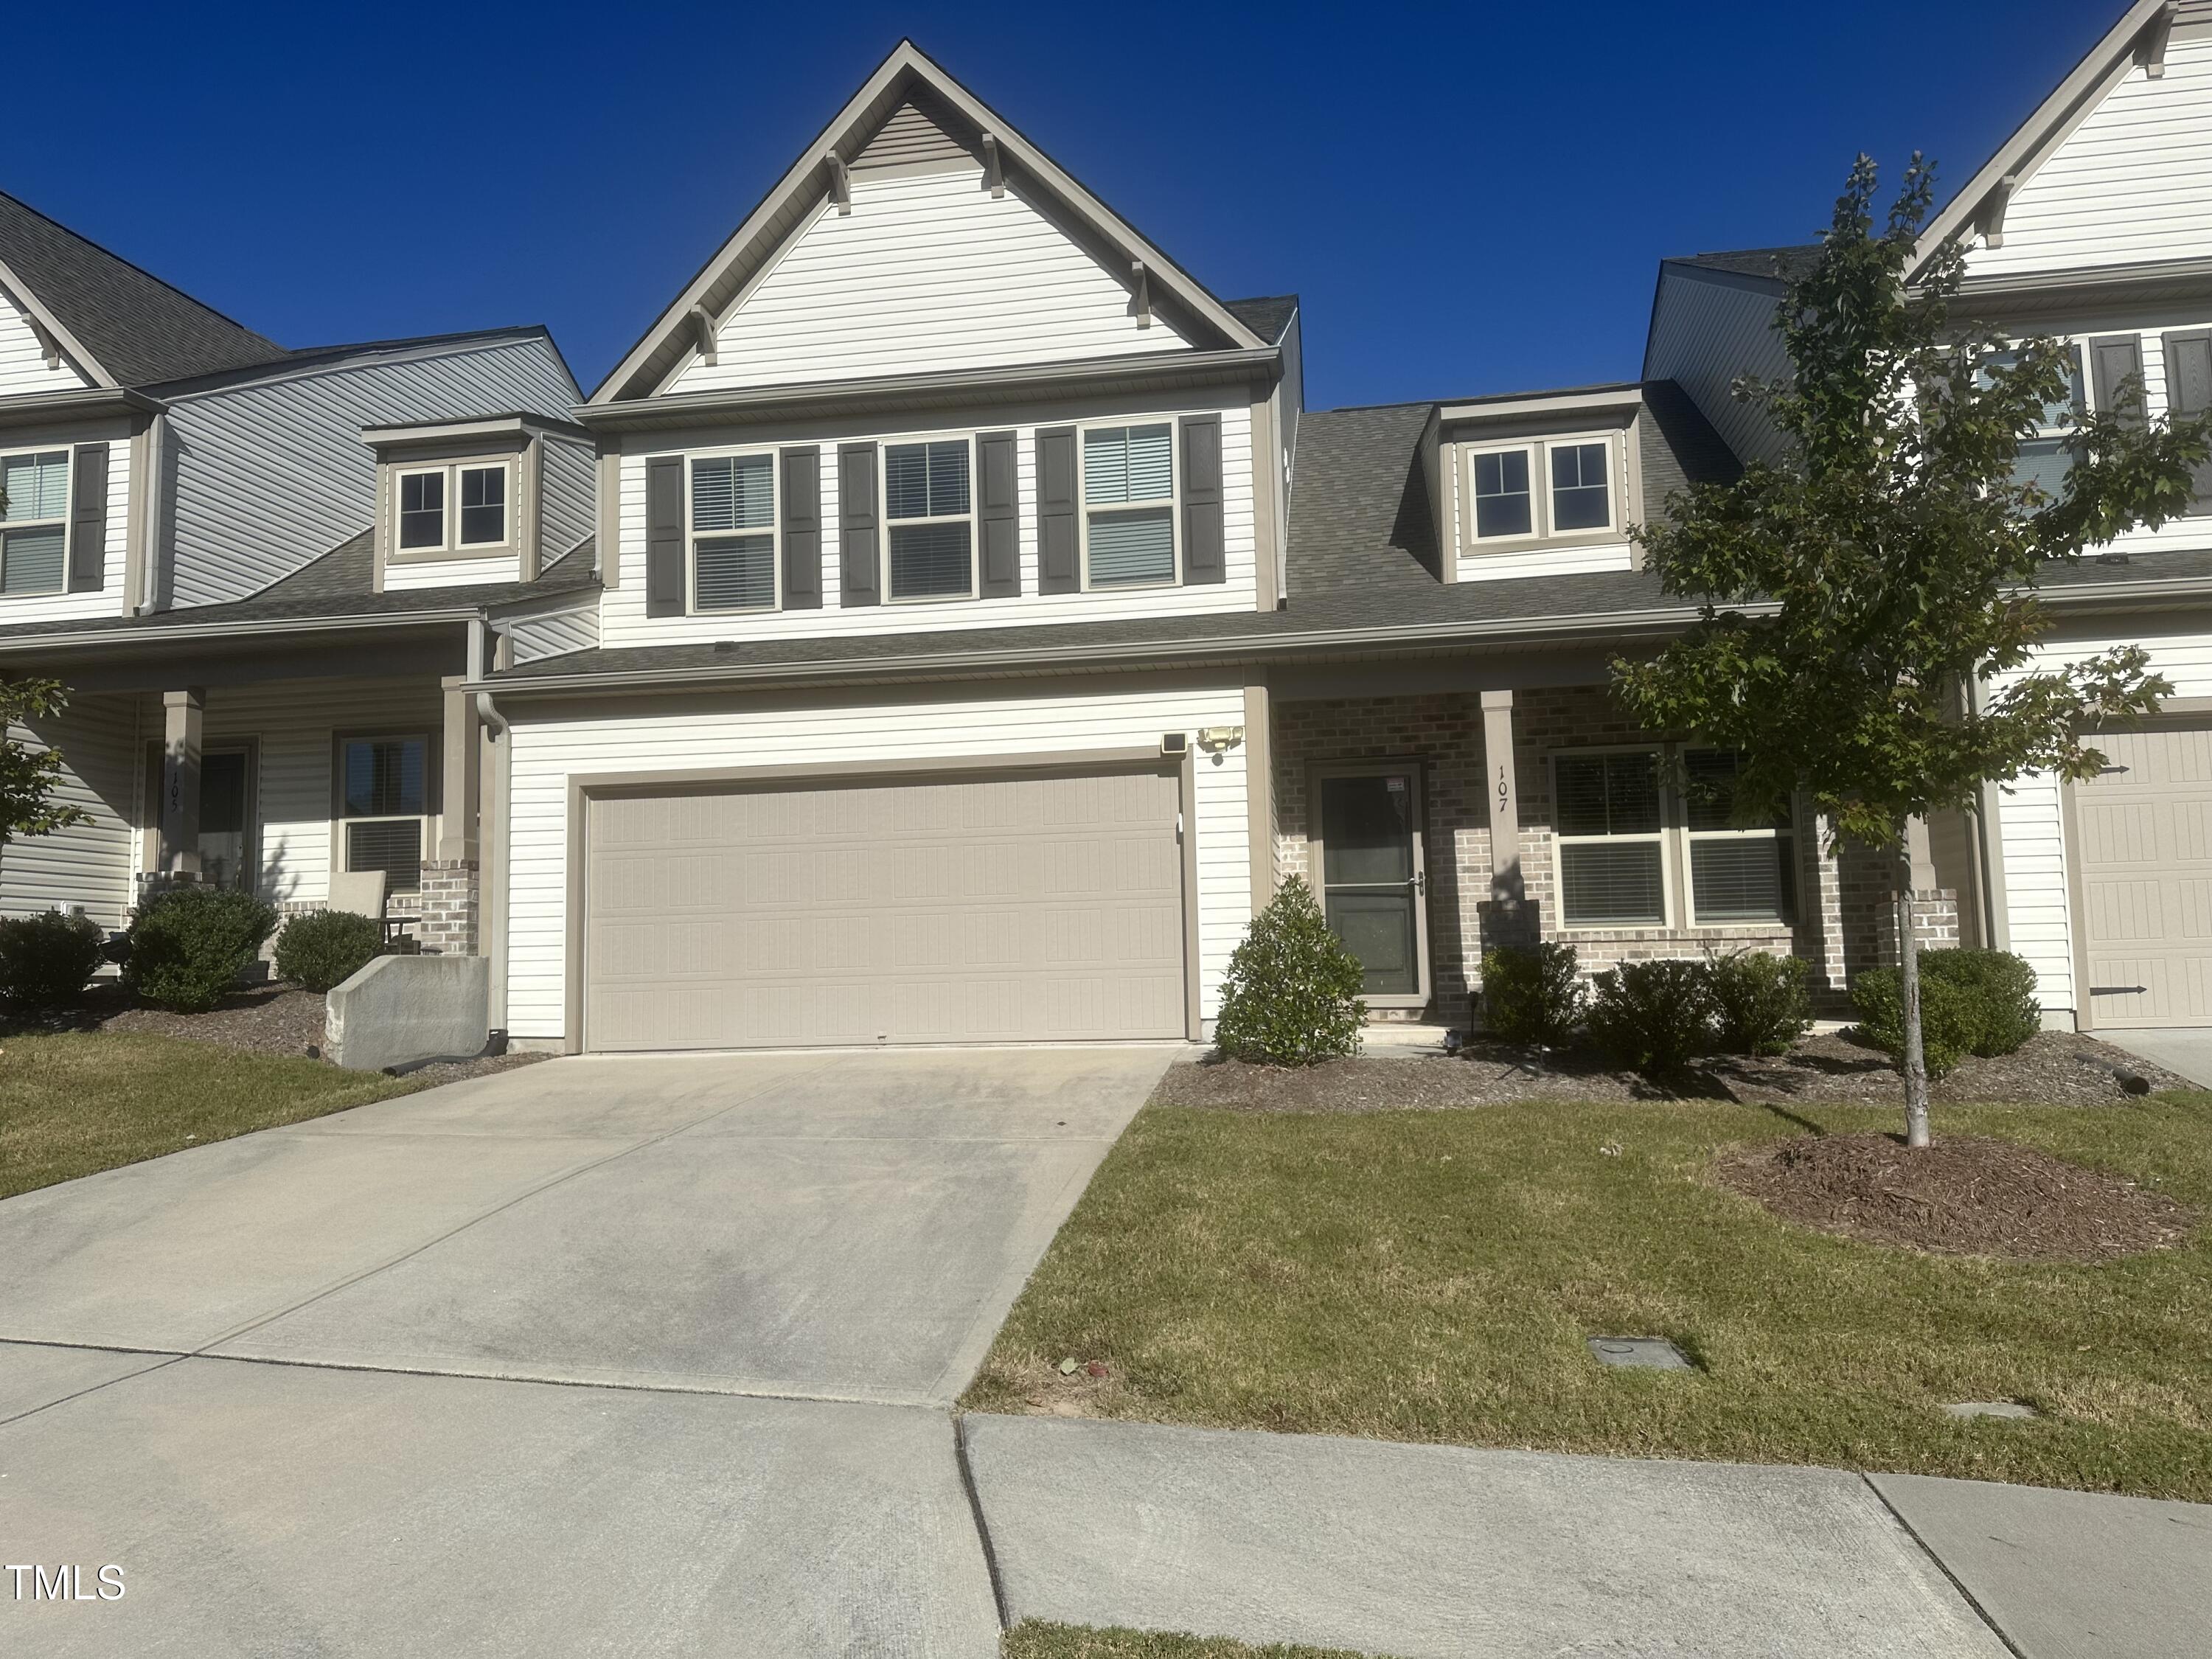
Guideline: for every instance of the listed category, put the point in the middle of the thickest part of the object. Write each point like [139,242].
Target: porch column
[452,882]
[1506,883]
[1936,907]
[1508,918]
[1260,794]
[183,719]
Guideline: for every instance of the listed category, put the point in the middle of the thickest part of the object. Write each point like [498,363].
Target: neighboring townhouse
[2092,223]
[263,574]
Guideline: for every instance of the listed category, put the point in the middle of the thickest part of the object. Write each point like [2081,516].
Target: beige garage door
[1023,907]
[2145,847]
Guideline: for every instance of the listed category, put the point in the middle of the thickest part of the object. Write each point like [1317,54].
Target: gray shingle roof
[336,585]
[1266,317]
[1781,262]
[138,328]
[1360,506]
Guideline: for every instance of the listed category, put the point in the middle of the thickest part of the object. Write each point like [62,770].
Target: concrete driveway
[683,1232]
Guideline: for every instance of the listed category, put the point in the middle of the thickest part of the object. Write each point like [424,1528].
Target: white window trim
[342,849]
[970,518]
[1663,838]
[1172,502]
[68,453]
[1538,449]
[1677,885]
[775,532]
[450,545]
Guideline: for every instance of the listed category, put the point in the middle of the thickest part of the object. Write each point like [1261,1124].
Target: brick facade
[1443,731]
[448,903]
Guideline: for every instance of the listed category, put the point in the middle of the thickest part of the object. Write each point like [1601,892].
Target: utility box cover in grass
[399,1010]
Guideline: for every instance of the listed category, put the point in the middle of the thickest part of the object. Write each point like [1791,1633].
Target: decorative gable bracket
[994,170]
[841,184]
[49,347]
[702,325]
[1141,301]
[1990,217]
[2150,45]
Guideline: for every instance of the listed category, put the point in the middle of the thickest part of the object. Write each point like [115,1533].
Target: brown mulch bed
[2054,1068]
[274,1019]
[1964,1195]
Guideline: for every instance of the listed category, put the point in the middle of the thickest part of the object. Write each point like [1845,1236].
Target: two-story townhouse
[985,633]
[2092,224]
[261,573]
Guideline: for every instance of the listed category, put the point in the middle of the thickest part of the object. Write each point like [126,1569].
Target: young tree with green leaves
[28,776]
[1849,597]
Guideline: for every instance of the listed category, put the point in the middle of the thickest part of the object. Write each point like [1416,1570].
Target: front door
[226,820]
[1372,887]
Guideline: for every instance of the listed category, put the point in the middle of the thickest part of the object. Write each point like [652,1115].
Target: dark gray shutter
[2112,361]
[2189,392]
[802,528]
[1058,543]
[1203,558]
[664,535]
[858,557]
[999,515]
[88,530]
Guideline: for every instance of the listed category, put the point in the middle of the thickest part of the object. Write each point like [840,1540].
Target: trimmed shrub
[1654,1016]
[325,948]
[1532,994]
[1760,1002]
[190,944]
[1291,995]
[1972,1002]
[47,960]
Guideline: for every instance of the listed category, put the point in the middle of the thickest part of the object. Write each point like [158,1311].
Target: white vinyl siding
[927,272]
[2132,182]
[273,473]
[554,635]
[1706,330]
[23,359]
[108,599]
[88,865]
[458,571]
[2031,818]
[624,621]
[548,751]
[294,720]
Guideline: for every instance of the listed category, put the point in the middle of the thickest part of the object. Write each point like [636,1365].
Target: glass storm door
[1371,883]
[225,829]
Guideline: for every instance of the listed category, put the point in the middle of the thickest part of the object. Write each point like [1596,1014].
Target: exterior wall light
[1215,738]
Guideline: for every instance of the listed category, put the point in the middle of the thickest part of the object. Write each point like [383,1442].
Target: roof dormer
[464,501]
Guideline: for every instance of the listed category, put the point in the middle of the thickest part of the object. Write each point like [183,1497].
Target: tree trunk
[1908,985]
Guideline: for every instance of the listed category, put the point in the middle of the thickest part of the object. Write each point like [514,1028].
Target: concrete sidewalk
[1448,1552]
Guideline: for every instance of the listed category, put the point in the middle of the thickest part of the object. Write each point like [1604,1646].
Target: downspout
[1989,842]
[493,836]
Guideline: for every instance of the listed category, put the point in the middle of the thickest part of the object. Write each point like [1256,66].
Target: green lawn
[1431,1276]
[78,1102]
[1031,1639]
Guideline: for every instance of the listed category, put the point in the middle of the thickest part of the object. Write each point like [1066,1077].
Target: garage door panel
[2144,855]
[1027,908]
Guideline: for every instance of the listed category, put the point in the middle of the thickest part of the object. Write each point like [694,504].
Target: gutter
[27,644]
[962,663]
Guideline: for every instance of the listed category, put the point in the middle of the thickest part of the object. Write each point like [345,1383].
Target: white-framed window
[734,564]
[1129,505]
[929,520]
[1625,823]
[34,522]
[2047,457]
[383,805]
[1609,825]
[1740,874]
[1536,489]
[458,507]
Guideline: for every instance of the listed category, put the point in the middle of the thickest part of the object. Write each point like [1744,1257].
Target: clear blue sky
[1471,197]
